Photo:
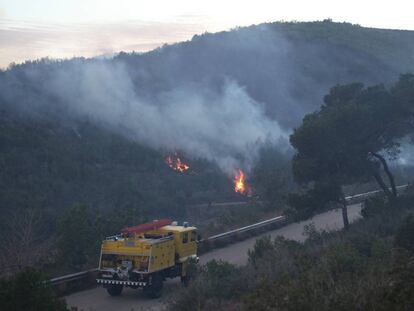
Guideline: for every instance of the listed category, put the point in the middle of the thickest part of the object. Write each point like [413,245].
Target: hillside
[96,131]
[288,67]
[47,166]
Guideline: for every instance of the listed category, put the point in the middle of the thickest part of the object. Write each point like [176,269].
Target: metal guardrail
[72,277]
[89,274]
[258,225]
[371,193]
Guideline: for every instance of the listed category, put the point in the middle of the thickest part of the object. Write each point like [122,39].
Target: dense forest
[90,136]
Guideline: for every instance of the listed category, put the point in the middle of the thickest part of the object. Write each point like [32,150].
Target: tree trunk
[344,212]
[382,184]
[388,172]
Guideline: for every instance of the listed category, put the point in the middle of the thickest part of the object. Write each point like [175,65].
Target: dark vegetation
[350,138]
[80,184]
[46,169]
[368,267]
[27,291]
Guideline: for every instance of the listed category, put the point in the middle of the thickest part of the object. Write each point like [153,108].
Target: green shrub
[374,206]
[27,291]
[405,234]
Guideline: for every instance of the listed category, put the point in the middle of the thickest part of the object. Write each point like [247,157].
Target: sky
[31,29]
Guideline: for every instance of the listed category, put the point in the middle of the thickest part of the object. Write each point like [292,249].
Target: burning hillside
[239,183]
[175,163]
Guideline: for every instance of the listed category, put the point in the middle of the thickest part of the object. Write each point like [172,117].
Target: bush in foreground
[27,291]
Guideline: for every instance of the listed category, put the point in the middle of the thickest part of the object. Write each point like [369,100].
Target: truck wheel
[115,290]
[155,289]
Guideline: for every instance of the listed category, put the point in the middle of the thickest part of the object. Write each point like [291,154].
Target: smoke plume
[220,96]
[224,125]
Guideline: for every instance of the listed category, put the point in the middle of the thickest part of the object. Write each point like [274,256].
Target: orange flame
[174,162]
[239,185]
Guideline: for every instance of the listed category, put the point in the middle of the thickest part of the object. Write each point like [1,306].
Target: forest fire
[175,163]
[239,185]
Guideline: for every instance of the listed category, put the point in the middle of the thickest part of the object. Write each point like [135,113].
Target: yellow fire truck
[145,255]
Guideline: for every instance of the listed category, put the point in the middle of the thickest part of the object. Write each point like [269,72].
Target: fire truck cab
[145,255]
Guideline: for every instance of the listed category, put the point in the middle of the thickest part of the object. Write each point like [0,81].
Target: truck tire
[154,290]
[115,290]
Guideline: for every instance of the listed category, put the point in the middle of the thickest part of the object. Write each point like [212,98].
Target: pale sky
[31,29]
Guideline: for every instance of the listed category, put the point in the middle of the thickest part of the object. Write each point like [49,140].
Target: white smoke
[406,155]
[226,126]
[176,98]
